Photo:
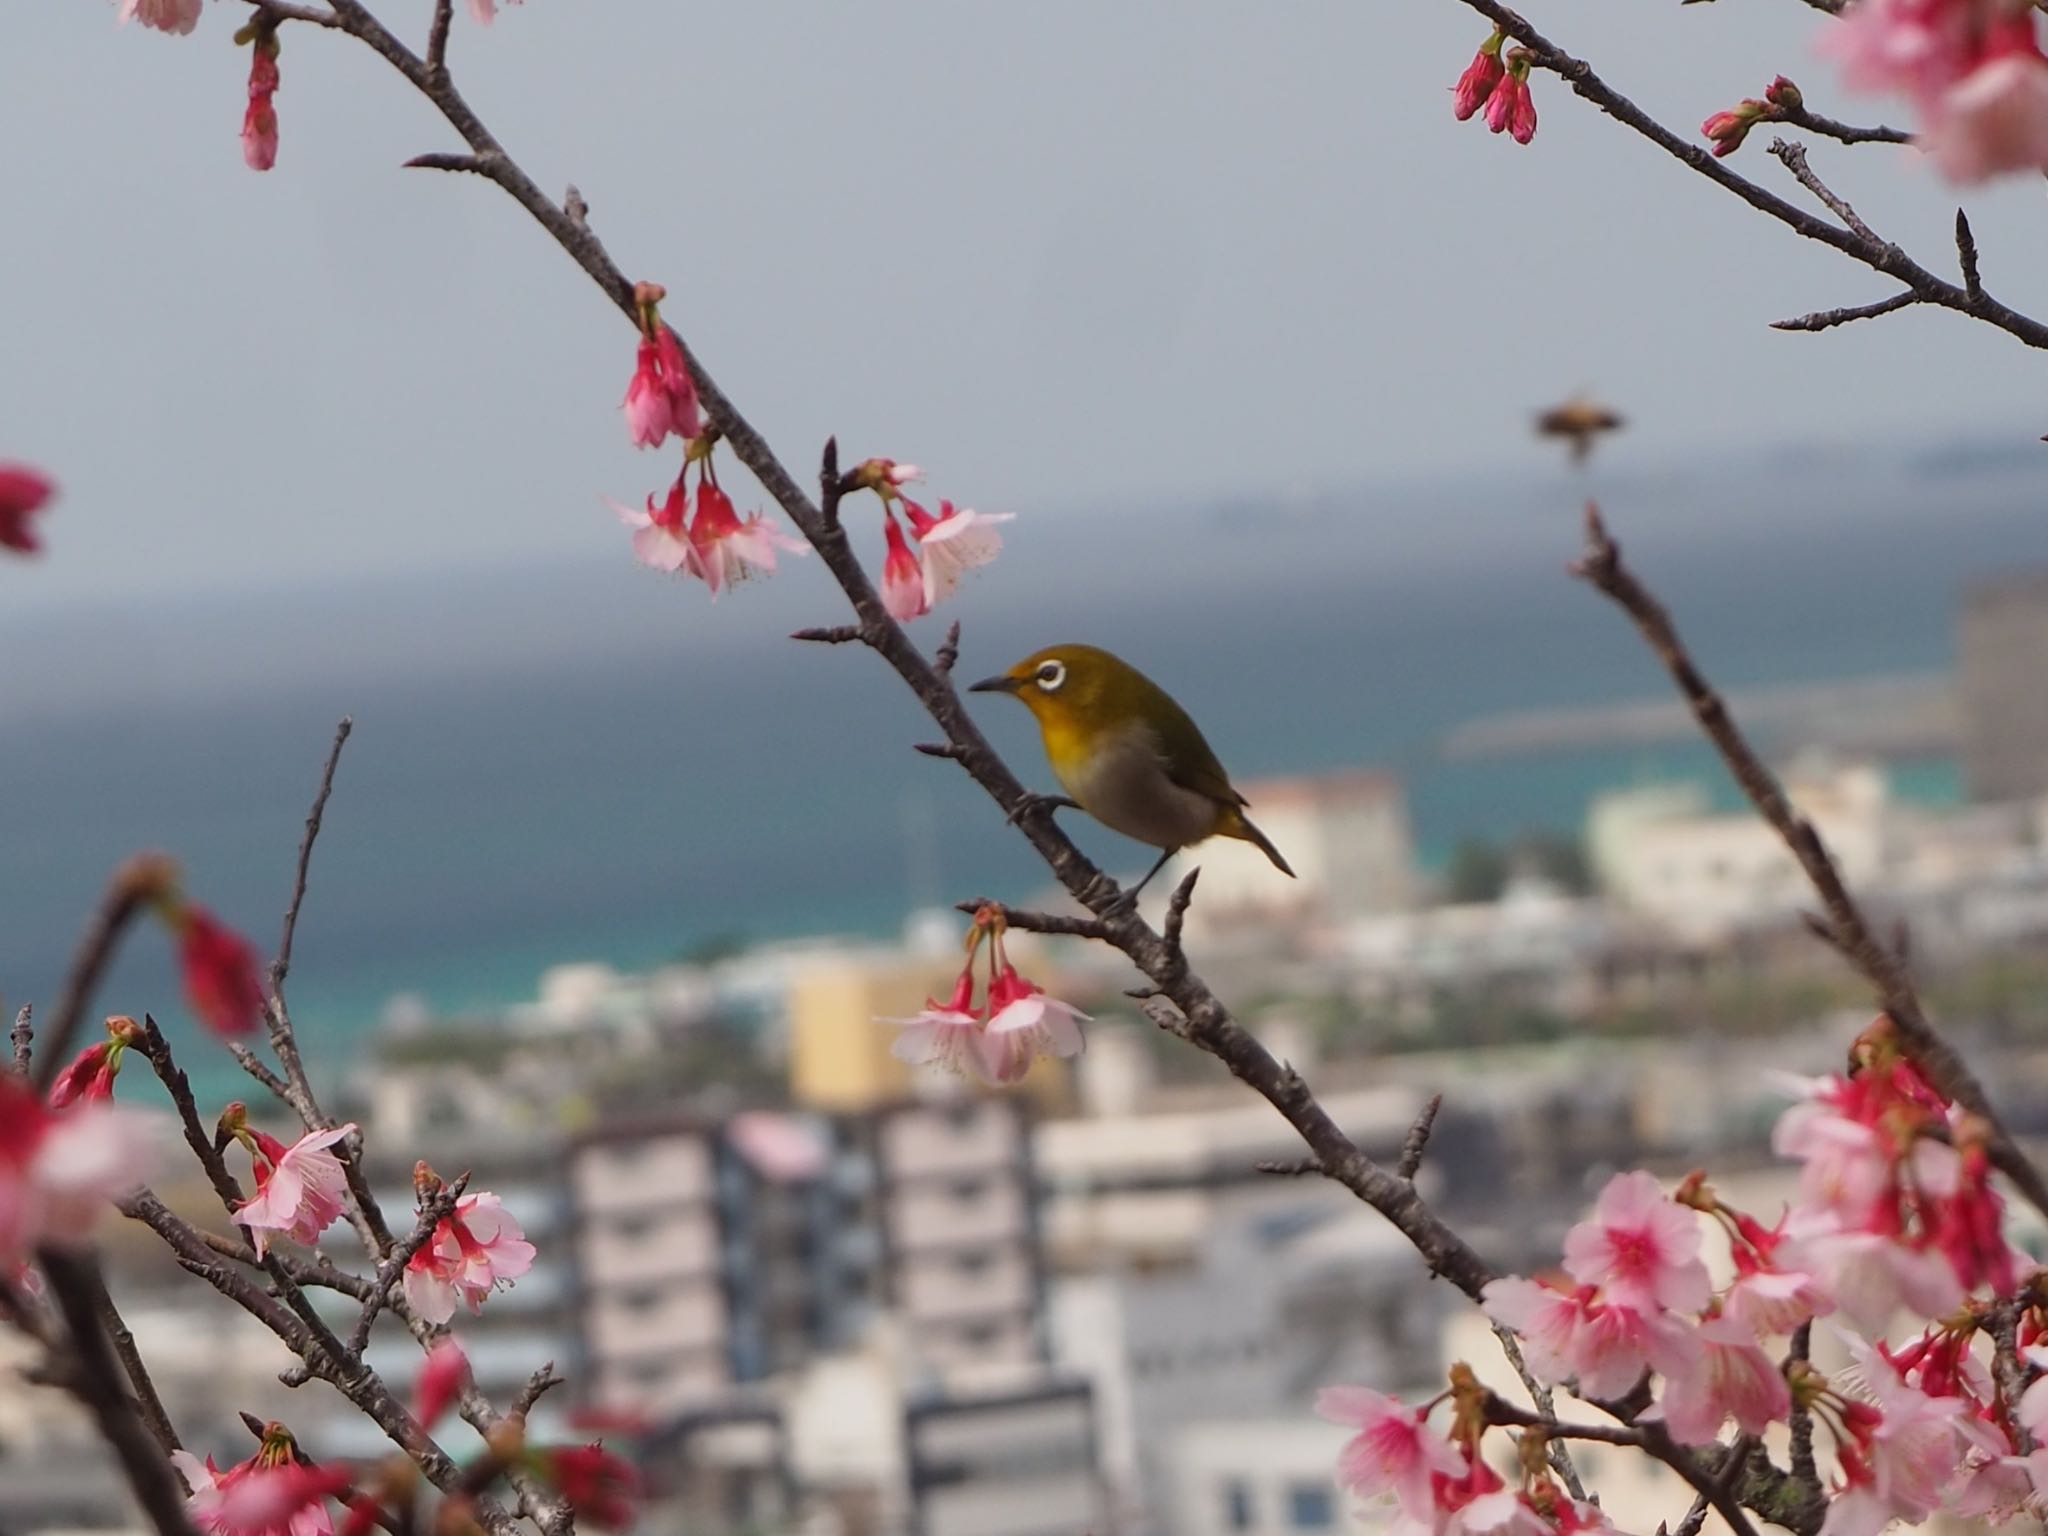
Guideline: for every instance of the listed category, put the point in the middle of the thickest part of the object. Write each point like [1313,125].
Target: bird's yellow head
[1071,686]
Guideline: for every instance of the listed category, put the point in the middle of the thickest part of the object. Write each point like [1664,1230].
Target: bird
[1126,753]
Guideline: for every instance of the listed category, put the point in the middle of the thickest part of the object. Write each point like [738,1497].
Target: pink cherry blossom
[60,1169]
[1775,1301]
[723,550]
[1994,120]
[1511,109]
[23,492]
[1728,1377]
[1503,1512]
[945,1034]
[267,1495]
[474,1250]
[299,1189]
[1871,1275]
[955,542]
[903,579]
[662,396]
[1394,1451]
[1024,1024]
[661,536]
[485,12]
[1476,85]
[1639,1248]
[1903,1451]
[1916,48]
[89,1078]
[179,16]
[1569,1335]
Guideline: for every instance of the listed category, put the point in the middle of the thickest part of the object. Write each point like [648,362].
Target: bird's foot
[1036,805]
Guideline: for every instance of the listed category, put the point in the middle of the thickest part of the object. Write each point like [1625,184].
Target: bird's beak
[1000,684]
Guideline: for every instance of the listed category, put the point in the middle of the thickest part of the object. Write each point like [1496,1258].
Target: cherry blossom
[903,578]
[474,1250]
[259,122]
[90,1078]
[486,12]
[946,1034]
[661,535]
[662,397]
[601,1487]
[1642,1250]
[723,550]
[178,16]
[440,1383]
[1511,109]
[23,492]
[1394,1450]
[1024,1024]
[299,1189]
[955,542]
[1727,1376]
[60,1169]
[271,1494]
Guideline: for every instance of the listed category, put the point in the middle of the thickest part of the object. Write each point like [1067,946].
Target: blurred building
[1345,835]
[2001,639]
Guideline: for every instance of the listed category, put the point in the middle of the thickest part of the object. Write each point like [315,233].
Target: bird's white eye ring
[1051,674]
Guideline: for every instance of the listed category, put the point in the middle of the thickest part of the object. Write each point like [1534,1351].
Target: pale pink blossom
[267,1495]
[1728,1376]
[1903,1452]
[1568,1336]
[1394,1451]
[1871,1275]
[473,1251]
[945,1034]
[662,395]
[1639,1248]
[486,11]
[179,16]
[725,551]
[1914,47]
[1503,1512]
[661,535]
[903,579]
[59,1170]
[955,542]
[299,1189]
[1993,120]
[1775,1301]
[1024,1024]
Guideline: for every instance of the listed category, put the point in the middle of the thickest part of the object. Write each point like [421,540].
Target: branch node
[949,653]
[1966,253]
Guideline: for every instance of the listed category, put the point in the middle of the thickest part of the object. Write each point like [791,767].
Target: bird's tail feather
[1239,826]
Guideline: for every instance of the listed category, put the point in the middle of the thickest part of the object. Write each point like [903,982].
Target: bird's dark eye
[1051,674]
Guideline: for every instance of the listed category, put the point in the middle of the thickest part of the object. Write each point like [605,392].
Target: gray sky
[1062,254]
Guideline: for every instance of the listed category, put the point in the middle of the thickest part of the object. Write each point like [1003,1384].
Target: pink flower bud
[1476,85]
[1784,95]
[1727,130]
[22,493]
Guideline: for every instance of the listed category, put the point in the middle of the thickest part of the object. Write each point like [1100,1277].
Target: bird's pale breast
[1120,779]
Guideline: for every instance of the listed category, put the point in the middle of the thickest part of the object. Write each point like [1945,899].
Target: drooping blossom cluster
[1497,81]
[219,970]
[89,1079]
[924,568]
[714,543]
[1973,69]
[997,1040]
[59,1168]
[475,1249]
[300,1189]
[1895,1210]
[1727,130]
[23,493]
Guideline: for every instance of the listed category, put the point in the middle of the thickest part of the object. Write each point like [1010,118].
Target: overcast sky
[1063,254]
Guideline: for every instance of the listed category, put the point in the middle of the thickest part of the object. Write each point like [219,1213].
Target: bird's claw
[1032,805]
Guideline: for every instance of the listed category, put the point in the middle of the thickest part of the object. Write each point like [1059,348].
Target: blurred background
[1249,334]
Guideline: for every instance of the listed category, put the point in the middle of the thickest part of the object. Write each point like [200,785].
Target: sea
[588,762]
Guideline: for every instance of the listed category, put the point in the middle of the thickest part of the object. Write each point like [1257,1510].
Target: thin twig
[126,891]
[437,36]
[391,1269]
[949,653]
[542,1380]
[151,1407]
[1602,567]
[1794,158]
[1290,1168]
[1540,1394]
[1828,319]
[281,966]
[1803,1467]
[1827,127]
[1418,1138]
[23,1038]
[1039,922]
[829,634]
[1645,1437]
[97,1383]
[1177,909]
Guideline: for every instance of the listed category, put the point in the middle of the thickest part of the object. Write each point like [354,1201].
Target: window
[1310,1507]
[1239,1513]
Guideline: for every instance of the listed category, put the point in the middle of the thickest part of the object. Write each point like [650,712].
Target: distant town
[810,1289]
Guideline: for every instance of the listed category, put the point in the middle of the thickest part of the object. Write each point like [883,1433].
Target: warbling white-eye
[1127,754]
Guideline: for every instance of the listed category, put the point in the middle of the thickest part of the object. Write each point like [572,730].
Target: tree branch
[127,888]
[23,1038]
[1602,567]
[1827,319]
[1793,157]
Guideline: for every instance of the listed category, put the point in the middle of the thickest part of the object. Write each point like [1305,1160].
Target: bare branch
[1827,127]
[542,1380]
[1040,922]
[945,749]
[23,1039]
[281,966]
[1650,1438]
[1296,1168]
[476,165]
[279,10]
[97,1383]
[148,1404]
[437,36]
[1602,567]
[949,653]
[127,888]
[1177,909]
[1827,319]
[1794,158]
[1540,1394]
[829,634]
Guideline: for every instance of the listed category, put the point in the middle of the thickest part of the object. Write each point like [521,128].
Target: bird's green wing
[1189,761]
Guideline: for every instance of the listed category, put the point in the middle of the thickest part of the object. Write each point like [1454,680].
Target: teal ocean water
[589,764]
